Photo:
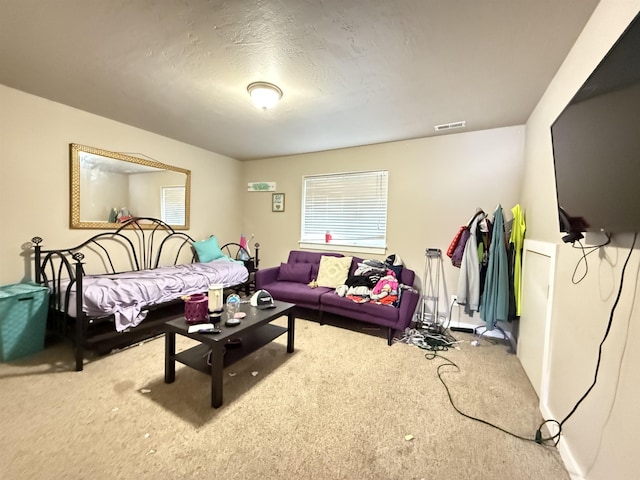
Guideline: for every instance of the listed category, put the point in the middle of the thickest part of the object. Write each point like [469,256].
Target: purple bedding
[125,295]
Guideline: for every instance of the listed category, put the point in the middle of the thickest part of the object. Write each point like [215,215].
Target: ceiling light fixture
[264,95]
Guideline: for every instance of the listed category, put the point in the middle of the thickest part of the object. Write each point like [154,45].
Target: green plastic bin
[23,319]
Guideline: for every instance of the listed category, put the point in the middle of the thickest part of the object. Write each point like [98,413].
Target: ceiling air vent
[449,126]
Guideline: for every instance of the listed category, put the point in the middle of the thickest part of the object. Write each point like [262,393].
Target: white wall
[600,440]
[34,176]
[145,191]
[435,185]
[100,194]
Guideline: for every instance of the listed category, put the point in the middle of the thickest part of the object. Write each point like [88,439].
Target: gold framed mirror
[109,187]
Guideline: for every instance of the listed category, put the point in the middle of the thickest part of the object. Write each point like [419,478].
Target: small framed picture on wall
[277,202]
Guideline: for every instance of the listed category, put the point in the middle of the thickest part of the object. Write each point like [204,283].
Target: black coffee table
[254,332]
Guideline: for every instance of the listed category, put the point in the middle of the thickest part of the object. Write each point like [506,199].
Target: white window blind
[173,205]
[351,207]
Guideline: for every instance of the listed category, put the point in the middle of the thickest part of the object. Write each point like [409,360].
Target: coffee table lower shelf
[196,357]
[214,352]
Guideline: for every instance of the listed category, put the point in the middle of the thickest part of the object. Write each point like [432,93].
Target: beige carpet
[340,407]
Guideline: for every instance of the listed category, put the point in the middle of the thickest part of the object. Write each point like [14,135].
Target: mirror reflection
[108,188]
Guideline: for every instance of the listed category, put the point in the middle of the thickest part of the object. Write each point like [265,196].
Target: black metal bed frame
[142,248]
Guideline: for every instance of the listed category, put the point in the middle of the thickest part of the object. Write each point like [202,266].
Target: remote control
[210,330]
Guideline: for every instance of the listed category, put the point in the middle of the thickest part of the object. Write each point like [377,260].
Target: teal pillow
[208,250]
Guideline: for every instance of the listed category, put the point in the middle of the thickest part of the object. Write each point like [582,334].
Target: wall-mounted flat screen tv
[596,144]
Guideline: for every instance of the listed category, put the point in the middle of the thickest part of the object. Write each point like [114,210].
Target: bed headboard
[129,248]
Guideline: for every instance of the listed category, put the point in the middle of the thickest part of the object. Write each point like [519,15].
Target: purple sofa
[289,283]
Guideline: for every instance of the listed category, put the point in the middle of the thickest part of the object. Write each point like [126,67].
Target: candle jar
[215,300]
[195,308]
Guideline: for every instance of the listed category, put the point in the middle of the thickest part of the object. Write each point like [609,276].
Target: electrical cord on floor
[428,340]
[584,258]
[556,436]
[432,354]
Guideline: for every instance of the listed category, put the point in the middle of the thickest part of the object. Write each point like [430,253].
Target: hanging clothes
[456,256]
[469,279]
[518,229]
[508,224]
[457,243]
[485,228]
[494,306]
[512,298]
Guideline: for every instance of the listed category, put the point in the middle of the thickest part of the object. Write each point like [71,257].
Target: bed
[119,287]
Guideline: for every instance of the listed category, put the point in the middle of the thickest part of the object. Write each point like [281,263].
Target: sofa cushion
[295,272]
[299,293]
[354,265]
[333,271]
[370,312]
[303,256]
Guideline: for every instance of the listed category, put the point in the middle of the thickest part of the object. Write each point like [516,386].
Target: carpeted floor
[344,405]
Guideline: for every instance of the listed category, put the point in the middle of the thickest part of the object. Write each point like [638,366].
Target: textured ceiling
[353,72]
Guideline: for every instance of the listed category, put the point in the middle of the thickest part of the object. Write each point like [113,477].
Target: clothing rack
[505,336]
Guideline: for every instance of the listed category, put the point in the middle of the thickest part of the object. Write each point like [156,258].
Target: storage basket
[23,319]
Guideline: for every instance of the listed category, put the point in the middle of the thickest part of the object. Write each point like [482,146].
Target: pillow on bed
[208,250]
[295,272]
[333,271]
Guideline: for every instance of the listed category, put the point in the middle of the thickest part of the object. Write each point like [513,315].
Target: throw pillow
[333,271]
[208,250]
[295,272]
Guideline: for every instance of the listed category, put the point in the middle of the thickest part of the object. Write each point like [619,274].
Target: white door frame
[548,250]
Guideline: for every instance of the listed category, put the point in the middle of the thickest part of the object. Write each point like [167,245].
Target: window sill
[333,247]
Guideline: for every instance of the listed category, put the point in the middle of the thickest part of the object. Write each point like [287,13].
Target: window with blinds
[345,209]
[173,205]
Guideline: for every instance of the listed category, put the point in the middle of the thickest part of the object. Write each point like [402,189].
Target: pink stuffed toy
[387,285]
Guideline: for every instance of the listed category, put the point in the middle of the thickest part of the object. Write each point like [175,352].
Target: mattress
[127,295]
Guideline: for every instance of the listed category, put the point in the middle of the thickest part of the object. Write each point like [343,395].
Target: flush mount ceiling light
[264,95]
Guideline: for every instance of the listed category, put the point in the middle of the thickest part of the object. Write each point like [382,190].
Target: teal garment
[494,306]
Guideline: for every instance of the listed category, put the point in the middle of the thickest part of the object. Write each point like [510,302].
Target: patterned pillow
[333,271]
[295,272]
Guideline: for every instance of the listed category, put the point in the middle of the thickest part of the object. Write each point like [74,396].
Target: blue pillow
[208,250]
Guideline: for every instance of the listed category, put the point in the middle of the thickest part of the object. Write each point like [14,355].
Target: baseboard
[469,327]
[463,329]
[569,460]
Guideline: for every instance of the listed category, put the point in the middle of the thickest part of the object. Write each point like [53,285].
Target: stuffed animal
[387,285]
[382,292]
